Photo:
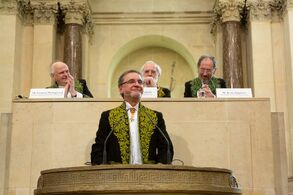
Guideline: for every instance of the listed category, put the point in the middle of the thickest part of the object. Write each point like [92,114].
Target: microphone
[162,133]
[106,140]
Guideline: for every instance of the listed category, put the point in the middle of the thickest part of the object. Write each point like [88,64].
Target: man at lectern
[131,133]
[62,78]
[151,73]
[205,84]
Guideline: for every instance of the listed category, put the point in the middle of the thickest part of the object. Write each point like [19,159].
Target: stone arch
[151,43]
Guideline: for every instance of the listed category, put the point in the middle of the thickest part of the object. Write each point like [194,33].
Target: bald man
[63,79]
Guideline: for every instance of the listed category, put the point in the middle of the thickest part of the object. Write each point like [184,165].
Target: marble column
[232,59]
[74,20]
[73,49]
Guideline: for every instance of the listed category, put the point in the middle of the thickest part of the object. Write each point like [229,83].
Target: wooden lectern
[137,179]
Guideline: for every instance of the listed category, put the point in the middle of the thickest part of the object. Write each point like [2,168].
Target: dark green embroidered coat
[164,92]
[191,87]
[153,144]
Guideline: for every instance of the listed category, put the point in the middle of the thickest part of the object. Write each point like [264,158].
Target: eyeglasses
[206,70]
[133,81]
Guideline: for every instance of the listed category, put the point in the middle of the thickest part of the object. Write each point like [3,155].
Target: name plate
[47,93]
[234,92]
[150,92]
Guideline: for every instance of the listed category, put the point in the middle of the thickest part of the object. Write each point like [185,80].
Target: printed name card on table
[150,92]
[38,93]
[234,92]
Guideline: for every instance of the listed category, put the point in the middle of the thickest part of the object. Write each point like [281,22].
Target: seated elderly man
[63,79]
[151,73]
[206,83]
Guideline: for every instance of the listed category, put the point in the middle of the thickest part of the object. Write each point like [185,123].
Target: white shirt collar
[128,106]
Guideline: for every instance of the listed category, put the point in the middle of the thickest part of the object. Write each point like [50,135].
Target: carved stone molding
[74,12]
[44,12]
[278,8]
[13,7]
[89,25]
[260,10]
[142,179]
[225,11]
[8,8]
[27,14]
[228,10]
[20,8]
[278,4]
[78,12]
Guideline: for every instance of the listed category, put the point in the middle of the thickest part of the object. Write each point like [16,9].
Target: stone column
[261,52]
[11,16]
[74,21]
[10,54]
[43,41]
[288,29]
[232,60]
[5,136]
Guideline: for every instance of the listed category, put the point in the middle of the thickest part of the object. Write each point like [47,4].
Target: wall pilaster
[44,21]
[10,20]
[288,34]
[9,53]
[262,67]
[260,10]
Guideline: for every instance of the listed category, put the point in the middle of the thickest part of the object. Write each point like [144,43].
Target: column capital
[8,7]
[278,8]
[13,7]
[21,8]
[44,12]
[78,12]
[75,11]
[228,10]
[260,10]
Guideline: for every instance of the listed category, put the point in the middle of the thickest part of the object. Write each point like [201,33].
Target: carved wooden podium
[137,179]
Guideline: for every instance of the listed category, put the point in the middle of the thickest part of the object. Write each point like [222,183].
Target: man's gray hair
[121,77]
[157,66]
[212,58]
[52,67]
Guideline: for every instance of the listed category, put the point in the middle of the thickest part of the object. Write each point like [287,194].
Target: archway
[163,50]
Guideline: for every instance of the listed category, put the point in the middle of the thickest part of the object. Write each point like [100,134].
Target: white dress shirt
[135,152]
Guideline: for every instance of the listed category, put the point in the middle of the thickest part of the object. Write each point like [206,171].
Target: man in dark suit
[205,84]
[151,73]
[62,78]
[137,134]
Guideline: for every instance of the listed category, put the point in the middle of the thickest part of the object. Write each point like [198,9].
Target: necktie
[132,111]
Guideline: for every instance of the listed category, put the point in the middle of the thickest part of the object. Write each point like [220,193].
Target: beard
[205,80]
[132,95]
[135,95]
